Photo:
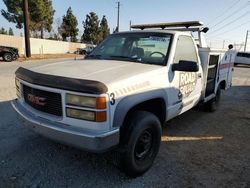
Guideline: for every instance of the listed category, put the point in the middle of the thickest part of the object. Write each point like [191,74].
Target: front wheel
[141,141]
[7,57]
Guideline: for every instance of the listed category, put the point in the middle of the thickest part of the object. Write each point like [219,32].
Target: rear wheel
[141,142]
[7,57]
[213,105]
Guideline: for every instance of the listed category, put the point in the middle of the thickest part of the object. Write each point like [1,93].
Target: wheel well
[223,84]
[155,106]
[7,53]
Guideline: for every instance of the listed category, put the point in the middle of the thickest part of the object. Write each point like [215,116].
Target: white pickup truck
[121,94]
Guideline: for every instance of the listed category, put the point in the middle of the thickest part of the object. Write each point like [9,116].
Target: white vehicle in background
[242,58]
[87,50]
[121,94]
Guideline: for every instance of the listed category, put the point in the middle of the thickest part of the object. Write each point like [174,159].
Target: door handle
[199,75]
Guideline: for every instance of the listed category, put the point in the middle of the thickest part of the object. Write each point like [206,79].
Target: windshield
[148,48]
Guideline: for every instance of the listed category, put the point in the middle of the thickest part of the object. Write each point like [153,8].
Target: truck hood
[105,71]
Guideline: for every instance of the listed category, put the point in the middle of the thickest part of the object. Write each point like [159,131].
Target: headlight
[84,101]
[80,114]
[86,115]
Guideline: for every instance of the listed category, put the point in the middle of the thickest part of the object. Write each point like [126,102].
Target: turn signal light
[101,103]
[101,116]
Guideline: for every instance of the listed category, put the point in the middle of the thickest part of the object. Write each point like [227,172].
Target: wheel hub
[143,145]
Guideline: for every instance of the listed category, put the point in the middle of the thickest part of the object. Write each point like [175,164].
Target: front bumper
[63,133]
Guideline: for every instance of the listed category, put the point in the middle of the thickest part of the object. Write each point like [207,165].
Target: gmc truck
[120,95]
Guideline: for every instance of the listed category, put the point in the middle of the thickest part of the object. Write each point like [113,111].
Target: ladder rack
[187,24]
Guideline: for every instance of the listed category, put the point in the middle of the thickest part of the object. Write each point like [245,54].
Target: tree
[69,25]
[53,36]
[94,30]
[41,14]
[91,29]
[3,31]
[104,28]
[11,31]
[58,23]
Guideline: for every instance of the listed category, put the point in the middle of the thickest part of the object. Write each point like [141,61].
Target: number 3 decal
[112,98]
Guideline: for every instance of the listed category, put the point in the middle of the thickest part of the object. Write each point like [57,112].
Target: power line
[238,26]
[224,12]
[229,16]
[231,22]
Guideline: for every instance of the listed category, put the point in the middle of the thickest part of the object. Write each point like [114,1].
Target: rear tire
[140,140]
[7,57]
[213,104]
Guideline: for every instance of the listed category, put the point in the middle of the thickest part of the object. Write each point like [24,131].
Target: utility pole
[26,27]
[118,16]
[130,24]
[223,44]
[245,48]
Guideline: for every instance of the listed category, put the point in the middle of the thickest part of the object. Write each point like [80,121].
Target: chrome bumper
[97,143]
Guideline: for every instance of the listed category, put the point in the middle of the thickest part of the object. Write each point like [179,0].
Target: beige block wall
[40,46]
[6,40]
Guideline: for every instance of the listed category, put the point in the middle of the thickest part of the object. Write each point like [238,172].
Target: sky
[228,19]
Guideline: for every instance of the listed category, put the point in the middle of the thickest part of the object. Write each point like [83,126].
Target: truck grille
[43,101]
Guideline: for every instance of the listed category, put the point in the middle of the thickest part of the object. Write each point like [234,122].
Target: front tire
[141,141]
[7,57]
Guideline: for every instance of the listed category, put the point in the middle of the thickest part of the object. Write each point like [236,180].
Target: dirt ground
[199,149]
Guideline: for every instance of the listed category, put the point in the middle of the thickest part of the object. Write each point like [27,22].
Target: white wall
[40,46]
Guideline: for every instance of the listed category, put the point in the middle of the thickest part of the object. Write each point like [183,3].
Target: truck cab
[121,93]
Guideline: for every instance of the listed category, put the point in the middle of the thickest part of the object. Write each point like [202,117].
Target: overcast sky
[228,19]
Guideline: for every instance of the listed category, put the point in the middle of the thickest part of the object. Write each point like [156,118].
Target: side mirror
[186,66]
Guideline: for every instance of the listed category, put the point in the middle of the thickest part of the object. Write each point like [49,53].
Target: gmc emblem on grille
[36,100]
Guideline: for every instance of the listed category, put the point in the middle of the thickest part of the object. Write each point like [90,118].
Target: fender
[131,101]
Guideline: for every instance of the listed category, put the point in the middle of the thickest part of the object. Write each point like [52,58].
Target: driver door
[188,85]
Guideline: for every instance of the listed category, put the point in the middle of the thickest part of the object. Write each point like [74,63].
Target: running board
[210,97]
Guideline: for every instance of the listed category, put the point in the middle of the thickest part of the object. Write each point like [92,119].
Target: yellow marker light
[101,103]
[101,116]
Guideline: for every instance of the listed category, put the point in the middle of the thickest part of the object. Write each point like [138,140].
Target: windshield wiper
[135,59]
